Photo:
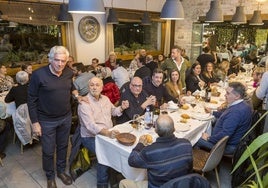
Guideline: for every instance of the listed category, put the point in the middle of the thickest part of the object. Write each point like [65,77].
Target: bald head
[164,126]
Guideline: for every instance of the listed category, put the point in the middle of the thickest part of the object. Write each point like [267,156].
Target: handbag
[2,125]
[80,164]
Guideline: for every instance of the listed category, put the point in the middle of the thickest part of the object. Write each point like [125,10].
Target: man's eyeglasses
[136,86]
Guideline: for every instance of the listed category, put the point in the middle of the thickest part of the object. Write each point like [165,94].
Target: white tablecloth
[9,108]
[113,154]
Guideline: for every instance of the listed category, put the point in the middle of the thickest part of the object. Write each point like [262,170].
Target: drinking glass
[136,120]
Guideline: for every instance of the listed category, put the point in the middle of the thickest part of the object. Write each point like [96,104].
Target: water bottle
[226,83]
[148,118]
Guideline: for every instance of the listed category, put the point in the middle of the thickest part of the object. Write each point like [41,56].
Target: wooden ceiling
[29,12]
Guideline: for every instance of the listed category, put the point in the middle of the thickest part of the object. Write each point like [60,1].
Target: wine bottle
[208,93]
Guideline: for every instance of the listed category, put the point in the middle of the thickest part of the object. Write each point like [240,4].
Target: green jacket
[169,65]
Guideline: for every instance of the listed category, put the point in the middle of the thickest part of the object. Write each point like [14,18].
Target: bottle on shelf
[208,93]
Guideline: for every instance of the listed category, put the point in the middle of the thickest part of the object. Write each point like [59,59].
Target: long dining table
[115,155]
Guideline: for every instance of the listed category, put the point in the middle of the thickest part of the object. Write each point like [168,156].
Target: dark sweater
[18,94]
[49,96]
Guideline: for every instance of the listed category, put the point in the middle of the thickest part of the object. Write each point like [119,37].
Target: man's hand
[37,129]
[82,98]
[124,105]
[205,136]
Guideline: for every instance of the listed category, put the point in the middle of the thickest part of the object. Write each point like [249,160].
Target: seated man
[167,158]
[81,78]
[137,98]
[156,88]
[234,121]
[95,118]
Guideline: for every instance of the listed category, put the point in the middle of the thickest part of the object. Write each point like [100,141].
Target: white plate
[173,107]
[212,106]
[188,99]
[123,128]
[182,128]
[202,116]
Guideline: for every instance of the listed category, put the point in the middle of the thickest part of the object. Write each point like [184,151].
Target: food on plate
[185,116]
[185,107]
[149,138]
[183,120]
[213,102]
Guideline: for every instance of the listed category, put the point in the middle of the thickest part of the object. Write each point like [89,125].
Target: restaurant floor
[25,170]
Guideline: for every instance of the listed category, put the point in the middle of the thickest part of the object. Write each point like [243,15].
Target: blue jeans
[201,143]
[55,134]
[102,170]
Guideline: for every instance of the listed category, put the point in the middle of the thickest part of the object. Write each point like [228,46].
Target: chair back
[188,181]
[215,155]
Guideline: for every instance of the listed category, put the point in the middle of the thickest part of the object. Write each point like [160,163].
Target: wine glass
[136,120]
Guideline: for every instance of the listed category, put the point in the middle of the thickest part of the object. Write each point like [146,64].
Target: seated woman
[6,82]
[173,85]
[222,71]
[257,75]
[27,68]
[209,74]
[19,93]
[194,79]
[235,66]
[110,89]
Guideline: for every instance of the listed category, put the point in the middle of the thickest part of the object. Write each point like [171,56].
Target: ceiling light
[112,18]
[146,19]
[215,12]
[256,18]
[86,6]
[64,15]
[172,10]
[239,17]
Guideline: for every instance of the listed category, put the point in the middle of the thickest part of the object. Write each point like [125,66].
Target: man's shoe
[2,155]
[67,180]
[51,183]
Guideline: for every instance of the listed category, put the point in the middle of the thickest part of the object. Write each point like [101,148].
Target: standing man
[177,62]
[95,118]
[49,106]
[167,158]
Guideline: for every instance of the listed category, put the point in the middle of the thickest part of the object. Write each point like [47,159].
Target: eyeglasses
[136,86]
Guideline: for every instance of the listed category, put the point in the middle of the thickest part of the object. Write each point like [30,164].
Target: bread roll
[185,116]
[149,139]
[214,102]
[185,107]
[183,120]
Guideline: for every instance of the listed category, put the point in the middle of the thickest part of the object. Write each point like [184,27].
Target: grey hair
[22,77]
[57,50]
[164,126]
[106,72]
[238,88]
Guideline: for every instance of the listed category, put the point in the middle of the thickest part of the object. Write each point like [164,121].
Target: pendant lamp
[214,14]
[86,6]
[172,10]
[64,15]
[112,17]
[239,17]
[256,18]
[146,19]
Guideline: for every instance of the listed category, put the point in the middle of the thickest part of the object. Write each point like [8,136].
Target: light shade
[256,18]
[112,17]
[239,17]
[64,15]
[215,12]
[86,6]
[172,10]
[146,19]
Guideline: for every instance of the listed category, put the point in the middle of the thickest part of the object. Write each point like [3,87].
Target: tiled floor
[25,171]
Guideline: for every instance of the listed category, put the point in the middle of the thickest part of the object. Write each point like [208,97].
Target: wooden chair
[204,161]
[1,162]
